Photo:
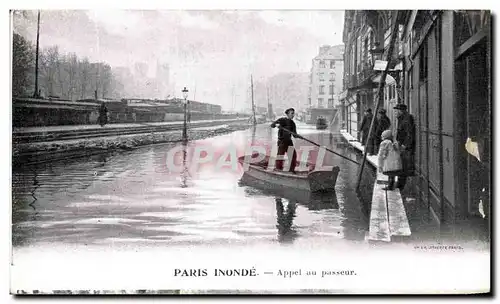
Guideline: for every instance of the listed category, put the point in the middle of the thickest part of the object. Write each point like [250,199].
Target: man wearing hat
[365,128]
[285,138]
[383,123]
[405,136]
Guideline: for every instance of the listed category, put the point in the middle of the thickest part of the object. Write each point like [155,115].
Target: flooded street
[131,198]
[128,218]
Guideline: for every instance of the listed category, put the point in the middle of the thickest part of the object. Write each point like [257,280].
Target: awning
[351,99]
[388,80]
[343,95]
[367,85]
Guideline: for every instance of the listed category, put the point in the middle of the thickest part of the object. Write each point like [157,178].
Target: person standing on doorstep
[285,138]
[389,159]
[365,125]
[383,123]
[405,137]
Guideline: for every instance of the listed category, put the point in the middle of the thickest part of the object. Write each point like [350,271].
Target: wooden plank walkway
[397,214]
[388,216]
[379,217]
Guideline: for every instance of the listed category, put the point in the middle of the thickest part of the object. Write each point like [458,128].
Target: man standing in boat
[287,128]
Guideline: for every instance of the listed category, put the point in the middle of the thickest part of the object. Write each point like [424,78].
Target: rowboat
[307,179]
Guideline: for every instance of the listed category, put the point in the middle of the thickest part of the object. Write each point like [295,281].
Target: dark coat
[365,123]
[365,128]
[103,115]
[405,136]
[288,124]
[384,123]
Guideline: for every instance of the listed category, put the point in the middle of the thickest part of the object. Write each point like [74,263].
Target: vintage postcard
[251,151]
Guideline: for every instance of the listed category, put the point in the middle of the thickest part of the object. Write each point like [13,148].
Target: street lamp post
[184,129]
[37,94]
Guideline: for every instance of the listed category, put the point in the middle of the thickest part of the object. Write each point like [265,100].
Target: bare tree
[62,76]
[22,66]
[72,73]
[70,77]
[106,80]
[49,63]
[84,78]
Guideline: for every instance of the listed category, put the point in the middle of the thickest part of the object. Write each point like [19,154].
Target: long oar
[318,145]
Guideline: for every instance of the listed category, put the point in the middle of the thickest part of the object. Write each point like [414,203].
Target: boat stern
[323,180]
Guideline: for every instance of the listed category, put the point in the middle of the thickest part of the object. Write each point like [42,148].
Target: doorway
[474,109]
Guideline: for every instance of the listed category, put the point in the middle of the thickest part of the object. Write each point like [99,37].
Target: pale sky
[211,49]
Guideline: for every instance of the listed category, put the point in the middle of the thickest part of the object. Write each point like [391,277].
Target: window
[322,64]
[332,64]
[321,76]
[309,100]
[410,78]
[365,50]
[321,89]
[358,57]
[330,103]
[400,39]
[370,46]
[410,89]
[330,91]
[423,63]
[320,102]
[352,61]
[369,57]
[469,23]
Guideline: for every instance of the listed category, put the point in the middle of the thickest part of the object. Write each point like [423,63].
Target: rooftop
[331,52]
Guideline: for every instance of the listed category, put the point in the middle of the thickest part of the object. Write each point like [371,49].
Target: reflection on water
[133,197]
[185,171]
[285,220]
[310,200]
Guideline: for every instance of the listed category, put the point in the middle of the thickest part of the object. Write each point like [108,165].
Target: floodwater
[123,221]
[133,198]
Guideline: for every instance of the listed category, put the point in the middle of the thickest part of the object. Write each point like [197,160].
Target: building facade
[325,81]
[448,90]
[366,36]
[441,69]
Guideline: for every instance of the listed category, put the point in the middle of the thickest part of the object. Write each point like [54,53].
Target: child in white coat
[389,158]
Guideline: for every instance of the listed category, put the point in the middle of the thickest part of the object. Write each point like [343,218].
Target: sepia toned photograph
[233,151]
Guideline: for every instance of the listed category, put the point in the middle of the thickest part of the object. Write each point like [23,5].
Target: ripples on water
[129,197]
